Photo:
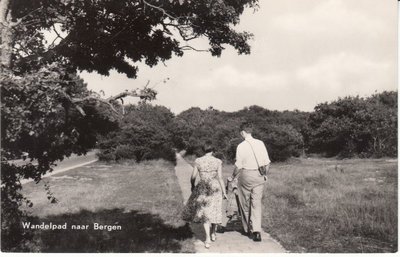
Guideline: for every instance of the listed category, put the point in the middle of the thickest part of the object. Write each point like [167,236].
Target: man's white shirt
[244,154]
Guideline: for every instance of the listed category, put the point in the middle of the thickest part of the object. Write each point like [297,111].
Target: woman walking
[205,203]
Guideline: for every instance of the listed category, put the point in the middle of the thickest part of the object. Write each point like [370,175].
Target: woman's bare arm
[221,182]
[193,177]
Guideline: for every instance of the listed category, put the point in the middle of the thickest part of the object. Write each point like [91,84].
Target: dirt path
[72,162]
[231,241]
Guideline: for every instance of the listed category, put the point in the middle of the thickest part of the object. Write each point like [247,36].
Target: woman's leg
[213,231]
[207,230]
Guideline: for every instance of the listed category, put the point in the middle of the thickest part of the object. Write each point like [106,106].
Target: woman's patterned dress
[205,202]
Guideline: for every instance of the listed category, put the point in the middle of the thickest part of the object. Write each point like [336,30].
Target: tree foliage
[100,35]
[148,130]
[195,126]
[355,126]
[347,127]
[145,133]
[38,119]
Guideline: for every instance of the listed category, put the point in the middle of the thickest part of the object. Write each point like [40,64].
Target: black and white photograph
[199,126]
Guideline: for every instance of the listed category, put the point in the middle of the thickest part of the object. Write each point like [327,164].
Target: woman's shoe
[213,237]
[207,244]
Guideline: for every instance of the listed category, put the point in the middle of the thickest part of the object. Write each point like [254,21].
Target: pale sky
[303,53]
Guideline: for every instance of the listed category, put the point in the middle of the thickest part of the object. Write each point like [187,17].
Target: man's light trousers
[251,188]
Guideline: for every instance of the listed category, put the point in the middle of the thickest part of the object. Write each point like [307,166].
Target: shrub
[145,133]
[106,155]
[282,141]
[355,126]
[279,130]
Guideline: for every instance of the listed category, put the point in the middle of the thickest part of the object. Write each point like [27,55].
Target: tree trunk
[375,139]
[6,35]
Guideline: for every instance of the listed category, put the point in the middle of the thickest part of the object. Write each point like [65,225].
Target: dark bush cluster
[145,133]
[348,127]
[151,132]
[355,126]
[280,131]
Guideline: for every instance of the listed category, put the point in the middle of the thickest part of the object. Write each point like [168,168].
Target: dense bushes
[351,126]
[151,132]
[348,127]
[145,133]
[355,126]
[283,140]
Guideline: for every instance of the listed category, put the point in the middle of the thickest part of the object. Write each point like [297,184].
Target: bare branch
[14,23]
[161,10]
[4,10]
[80,110]
[52,43]
[51,52]
[116,34]
[187,47]
[144,93]
[166,30]
[159,82]
[31,12]
[32,38]
[32,22]
[134,93]
[76,101]
[55,30]
[182,29]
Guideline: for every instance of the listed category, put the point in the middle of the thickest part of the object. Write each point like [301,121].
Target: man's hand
[235,172]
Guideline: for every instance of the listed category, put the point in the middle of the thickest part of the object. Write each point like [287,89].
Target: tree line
[347,127]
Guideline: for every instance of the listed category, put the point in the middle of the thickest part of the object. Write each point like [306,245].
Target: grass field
[334,206]
[310,205]
[143,199]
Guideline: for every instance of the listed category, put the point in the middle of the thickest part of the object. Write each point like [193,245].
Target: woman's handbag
[261,169]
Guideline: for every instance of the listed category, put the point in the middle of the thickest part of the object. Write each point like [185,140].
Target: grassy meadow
[144,199]
[310,205]
[332,206]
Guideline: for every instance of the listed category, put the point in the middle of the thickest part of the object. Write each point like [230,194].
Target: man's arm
[238,164]
[235,172]
[266,160]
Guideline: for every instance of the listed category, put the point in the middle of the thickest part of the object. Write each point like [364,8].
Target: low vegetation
[144,199]
[332,206]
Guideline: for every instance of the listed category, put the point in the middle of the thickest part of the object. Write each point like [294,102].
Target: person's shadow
[140,232]
[233,224]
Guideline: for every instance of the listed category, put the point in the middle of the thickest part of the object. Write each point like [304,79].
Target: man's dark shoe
[248,234]
[257,237]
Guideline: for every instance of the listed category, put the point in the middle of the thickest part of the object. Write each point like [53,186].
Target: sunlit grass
[145,199]
[329,205]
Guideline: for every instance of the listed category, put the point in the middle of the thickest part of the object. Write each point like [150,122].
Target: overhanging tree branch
[144,94]
[161,10]
[187,47]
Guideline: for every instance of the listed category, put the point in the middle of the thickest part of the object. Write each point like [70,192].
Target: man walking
[250,154]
